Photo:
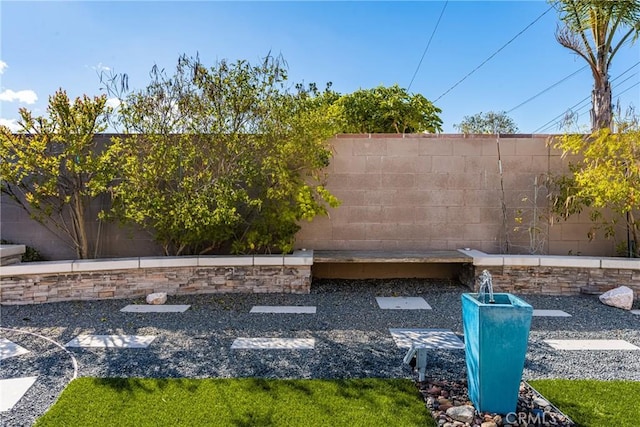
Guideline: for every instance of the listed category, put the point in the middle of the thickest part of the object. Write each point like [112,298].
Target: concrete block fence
[30,283]
[422,192]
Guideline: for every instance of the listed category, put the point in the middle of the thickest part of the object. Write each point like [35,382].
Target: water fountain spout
[486,285]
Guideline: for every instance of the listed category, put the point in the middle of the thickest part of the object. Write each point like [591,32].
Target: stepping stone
[150,308]
[591,345]
[273,344]
[10,349]
[402,303]
[550,313]
[12,390]
[437,339]
[635,312]
[118,341]
[293,309]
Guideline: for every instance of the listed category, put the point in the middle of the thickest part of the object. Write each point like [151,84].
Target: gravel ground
[351,333]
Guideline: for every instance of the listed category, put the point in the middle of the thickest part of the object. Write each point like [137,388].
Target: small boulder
[463,413]
[621,297]
[157,298]
[541,402]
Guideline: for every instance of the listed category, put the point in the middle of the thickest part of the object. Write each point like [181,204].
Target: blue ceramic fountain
[496,331]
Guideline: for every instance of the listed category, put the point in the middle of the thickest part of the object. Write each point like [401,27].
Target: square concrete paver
[117,341]
[402,303]
[153,308]
[273,344]
[12,390]
[284,309]
[591,345]
[550,313]
[437,339]
[10,349]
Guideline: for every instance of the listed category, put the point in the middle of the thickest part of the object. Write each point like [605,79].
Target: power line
[547,89]
[428,44]
[557,122]
[566,78]
[553,121]
[493,54]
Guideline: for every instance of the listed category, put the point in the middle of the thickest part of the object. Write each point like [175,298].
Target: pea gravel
[351,334]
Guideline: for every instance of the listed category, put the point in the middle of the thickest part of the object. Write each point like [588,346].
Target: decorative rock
[488,424]
[434,390]
[462,413]
[541,402]
[620,297]
[157,298]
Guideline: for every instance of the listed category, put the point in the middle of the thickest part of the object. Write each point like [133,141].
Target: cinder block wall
[398,192]
[439,192]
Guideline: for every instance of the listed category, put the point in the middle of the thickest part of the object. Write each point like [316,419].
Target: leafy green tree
[51,166]
[386,110]
[222,159]
[491,122]
[607,177]
[590,29]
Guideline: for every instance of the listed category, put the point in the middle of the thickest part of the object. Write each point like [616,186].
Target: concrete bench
[11,254]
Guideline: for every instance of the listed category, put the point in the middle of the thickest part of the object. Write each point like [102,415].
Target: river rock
[620,297]
[157,298]
[461,413]
[488,424]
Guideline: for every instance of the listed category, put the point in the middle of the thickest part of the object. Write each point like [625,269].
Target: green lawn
[594,403]
[238,402]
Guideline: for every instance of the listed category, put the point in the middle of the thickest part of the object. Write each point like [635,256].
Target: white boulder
[157,298]
[463,414]
[621,297]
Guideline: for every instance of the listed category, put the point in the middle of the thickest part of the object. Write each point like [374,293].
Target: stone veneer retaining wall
[552,275]
[30,283]
[136,277]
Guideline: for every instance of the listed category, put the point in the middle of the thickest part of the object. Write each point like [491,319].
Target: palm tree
[589,30]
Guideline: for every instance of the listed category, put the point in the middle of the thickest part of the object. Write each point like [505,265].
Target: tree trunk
[602,112]
[82,239]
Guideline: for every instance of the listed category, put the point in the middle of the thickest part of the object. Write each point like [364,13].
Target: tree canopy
[53,165]
[223,158]
[386,110]
[589,30]
[605,179]
[491,122]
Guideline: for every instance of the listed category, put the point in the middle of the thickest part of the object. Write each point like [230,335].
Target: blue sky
[48,45]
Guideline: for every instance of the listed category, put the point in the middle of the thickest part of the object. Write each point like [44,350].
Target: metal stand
[420,353]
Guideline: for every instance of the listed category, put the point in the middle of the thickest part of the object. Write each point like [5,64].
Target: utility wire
[557,122]
[553,121]
[428,44]
[547,89]
[564,79]
[493,54]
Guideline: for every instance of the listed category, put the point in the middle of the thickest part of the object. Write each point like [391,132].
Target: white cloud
[101,67]
[26,96]
[3,65]
[12,124]
[113,103]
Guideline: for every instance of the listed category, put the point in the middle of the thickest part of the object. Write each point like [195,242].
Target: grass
[594,403]
[238,402]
